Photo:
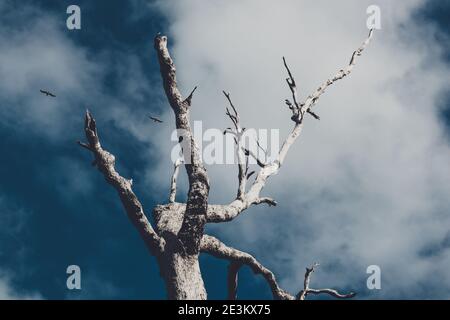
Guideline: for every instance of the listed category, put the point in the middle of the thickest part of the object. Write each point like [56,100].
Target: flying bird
[47,93]
[155,119]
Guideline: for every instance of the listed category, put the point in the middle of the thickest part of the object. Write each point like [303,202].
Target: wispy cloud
[14,219]
[36,54]
[8,292]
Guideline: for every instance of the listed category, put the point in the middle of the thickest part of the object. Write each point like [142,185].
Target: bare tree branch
[241,152]
[197,204]
[217,249]
[173,182]
[312,99]
[298,110]
[84,145]
[332,293]
[309,271]
[188,100]
[105,162]
[250,153]
[218,213]
[307,290]
[238,132]
[295,108]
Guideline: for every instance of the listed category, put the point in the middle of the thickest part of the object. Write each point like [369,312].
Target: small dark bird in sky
[47,93]
[155,119]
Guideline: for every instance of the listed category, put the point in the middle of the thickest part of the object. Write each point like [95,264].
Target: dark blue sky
[90,229]
[437,13]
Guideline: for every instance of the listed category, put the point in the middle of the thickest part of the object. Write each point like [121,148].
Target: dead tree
[178,237]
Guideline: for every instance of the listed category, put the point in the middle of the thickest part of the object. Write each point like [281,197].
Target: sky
[367,185]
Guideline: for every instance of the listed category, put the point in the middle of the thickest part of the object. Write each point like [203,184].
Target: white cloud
[7,292]
[13,220]
[37,54]
[369,183]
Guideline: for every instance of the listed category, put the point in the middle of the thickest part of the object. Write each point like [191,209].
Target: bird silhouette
[47,93]
[155,119]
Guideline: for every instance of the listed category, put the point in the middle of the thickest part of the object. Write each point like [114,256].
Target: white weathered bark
[173,182]
[105,162]
[178,237]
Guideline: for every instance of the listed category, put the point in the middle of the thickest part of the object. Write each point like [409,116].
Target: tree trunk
[182,276]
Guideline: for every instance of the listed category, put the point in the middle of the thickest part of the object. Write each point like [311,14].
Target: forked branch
[242,158]
[216,248]
[298,111]
[194,220]
[312,99]
[105,163]
[242,153]
[307,290]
